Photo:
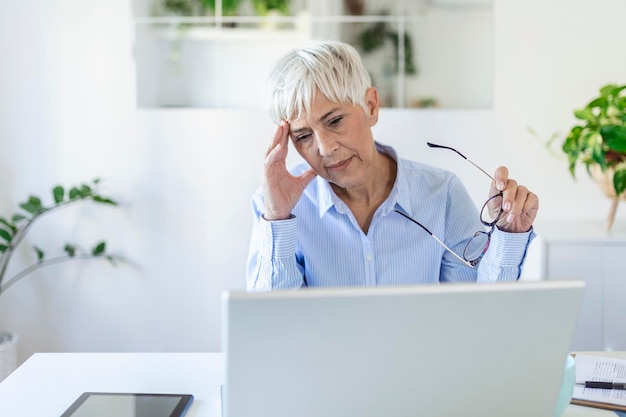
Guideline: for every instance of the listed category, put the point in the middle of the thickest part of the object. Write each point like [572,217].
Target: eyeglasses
[490,213]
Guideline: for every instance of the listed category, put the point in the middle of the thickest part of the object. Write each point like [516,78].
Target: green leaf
[18,217]
[618,90]
[597,102]
[85,190]
[585,114]
[615,137]
[572,159]
[594,142]
[570,145]
[8,224]
[70,250]
[58,193]
[3,248]
[39,252]
[33,205]
[111,259]
[100,199]
[5,235]
[74,193]
[607,90]
[619,180]
[98,249]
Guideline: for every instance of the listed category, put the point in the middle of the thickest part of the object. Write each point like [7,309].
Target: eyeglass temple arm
[434,145]
[436,238]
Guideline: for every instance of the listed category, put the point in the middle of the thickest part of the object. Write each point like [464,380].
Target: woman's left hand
[519,204]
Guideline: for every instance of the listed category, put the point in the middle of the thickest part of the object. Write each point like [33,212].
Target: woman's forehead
[320,108]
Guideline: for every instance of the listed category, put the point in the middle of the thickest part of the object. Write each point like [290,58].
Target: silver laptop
[482,350]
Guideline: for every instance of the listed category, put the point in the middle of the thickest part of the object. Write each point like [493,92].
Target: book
[604,369]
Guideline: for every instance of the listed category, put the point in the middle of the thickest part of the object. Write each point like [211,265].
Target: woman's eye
[302,137]
[335,121]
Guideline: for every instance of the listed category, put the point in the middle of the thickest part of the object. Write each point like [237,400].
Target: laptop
[446,350]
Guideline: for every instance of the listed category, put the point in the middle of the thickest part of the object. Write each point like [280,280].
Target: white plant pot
[8,353]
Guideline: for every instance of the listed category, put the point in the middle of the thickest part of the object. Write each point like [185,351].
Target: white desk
[47,383]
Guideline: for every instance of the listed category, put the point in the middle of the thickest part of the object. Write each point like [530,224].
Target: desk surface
[48,383]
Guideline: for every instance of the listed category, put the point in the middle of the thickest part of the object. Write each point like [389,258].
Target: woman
[343,217]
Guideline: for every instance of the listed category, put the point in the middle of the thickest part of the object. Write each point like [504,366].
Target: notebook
[437,351]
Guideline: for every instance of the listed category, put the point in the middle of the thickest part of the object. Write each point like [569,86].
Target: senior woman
[357,214]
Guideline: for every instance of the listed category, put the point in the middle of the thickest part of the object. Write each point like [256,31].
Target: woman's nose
[326,144]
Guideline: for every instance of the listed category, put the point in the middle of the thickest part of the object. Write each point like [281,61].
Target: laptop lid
[444,350]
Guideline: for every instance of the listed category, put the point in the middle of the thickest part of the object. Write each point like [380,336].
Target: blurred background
[163,100]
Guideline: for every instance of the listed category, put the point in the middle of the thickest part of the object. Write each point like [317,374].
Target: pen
[603,385]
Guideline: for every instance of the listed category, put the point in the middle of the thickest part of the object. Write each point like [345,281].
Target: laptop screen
[443,350]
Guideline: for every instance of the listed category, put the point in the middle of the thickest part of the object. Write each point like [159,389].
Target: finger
[531,206]
[500,178]
[306,177]
[515,207]
[277,154]
[508,194]
[281,135]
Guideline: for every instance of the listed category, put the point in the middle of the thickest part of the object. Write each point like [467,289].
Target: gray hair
[332,67]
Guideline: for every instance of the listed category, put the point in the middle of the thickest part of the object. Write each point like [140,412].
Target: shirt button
[369,257]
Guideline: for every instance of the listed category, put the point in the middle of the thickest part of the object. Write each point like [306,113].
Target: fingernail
[507,206]
[510,217]
[500,185]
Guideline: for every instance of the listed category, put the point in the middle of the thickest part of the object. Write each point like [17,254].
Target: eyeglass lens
[489,216]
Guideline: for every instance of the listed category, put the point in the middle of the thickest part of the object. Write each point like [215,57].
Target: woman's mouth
[339,166]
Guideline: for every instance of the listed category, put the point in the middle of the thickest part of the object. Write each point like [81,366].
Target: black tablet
[109,404]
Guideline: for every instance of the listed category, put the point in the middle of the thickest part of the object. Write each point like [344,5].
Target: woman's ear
[371,99]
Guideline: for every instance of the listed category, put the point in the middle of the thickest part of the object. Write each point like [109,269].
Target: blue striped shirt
[322,245]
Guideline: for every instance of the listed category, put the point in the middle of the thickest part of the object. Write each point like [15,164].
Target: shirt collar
[399,195]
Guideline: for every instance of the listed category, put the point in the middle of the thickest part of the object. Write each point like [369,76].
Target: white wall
[184,177]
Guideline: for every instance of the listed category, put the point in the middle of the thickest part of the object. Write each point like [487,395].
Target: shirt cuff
[279,237]
[509,249]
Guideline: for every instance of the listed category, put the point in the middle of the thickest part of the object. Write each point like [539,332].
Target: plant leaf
[585,114]
[3,248]
[4,234]
[74,193]
[615,137]
[39,252]
[98,249]
[58,193]
[100,199]
[607,90]
[18,217]
[33,205]
[619,180]
[618,90]
[8,224]
[70,250]
[85,190]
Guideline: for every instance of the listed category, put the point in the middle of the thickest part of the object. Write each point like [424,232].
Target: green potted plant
[229,7]
[598,142]
[12,232]
[377,36]
[265,7]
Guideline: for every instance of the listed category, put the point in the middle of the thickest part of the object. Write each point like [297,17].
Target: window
[212,53]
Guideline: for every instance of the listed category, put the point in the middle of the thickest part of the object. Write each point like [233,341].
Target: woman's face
[336,139]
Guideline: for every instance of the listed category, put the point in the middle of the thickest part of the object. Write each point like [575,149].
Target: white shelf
[261,34]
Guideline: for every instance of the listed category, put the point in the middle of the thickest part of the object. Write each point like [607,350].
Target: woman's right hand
[281,190]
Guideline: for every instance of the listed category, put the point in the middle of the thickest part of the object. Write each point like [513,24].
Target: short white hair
[333,68]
